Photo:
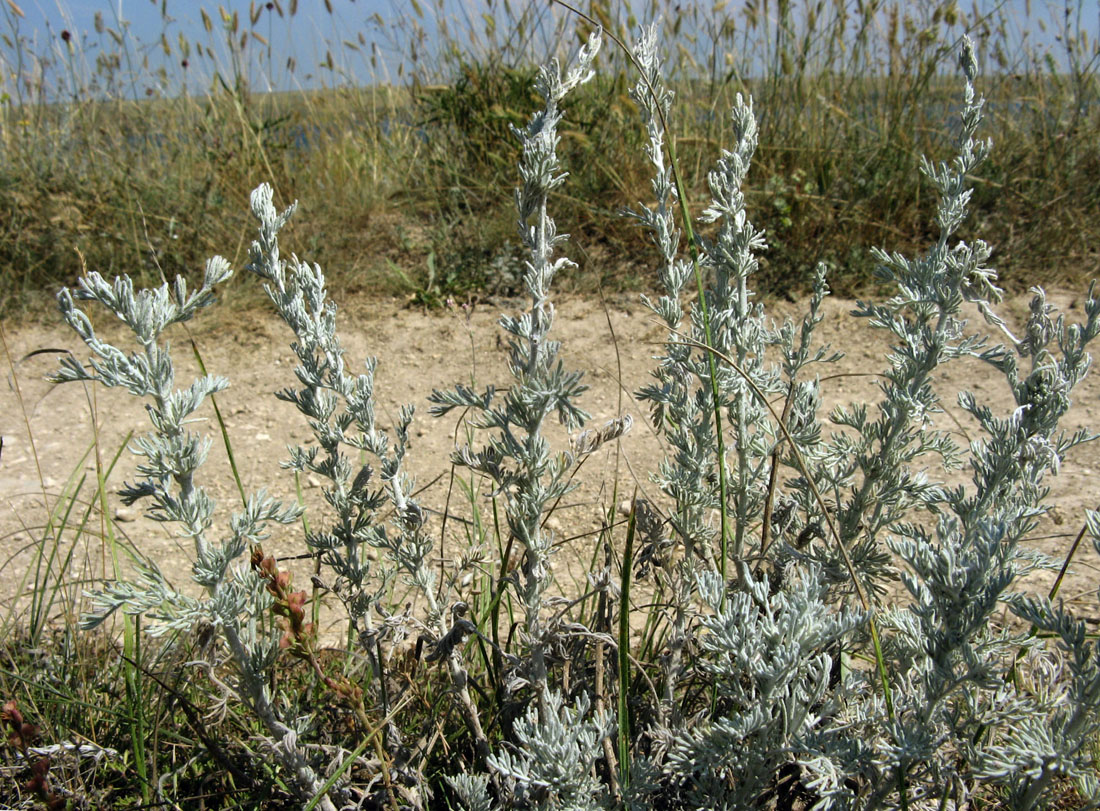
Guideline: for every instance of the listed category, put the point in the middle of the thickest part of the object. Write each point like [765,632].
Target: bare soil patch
[49,432]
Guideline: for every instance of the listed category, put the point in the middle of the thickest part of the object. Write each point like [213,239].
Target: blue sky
[368,39]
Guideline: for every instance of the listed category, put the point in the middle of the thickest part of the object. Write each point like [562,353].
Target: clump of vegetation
[769,665]
[136,152]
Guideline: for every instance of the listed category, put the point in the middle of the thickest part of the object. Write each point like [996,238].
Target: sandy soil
[613,343]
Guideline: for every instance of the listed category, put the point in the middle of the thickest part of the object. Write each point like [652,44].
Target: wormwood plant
[937,720]
[555,747]
[773,669]
[235,599]
[950,688]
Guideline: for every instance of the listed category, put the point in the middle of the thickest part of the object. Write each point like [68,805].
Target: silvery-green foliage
[340,409]
[518,458]
[654,100]
[472,791]
[1010,462]
[951,658]
[682,399]
[1058,731]
[960,575]
[682,409]
[792,515]
[875,477]
[341,413]
[550,764]
[172,454]
[1054,729]
[953,663]
[766,656]
[739,331]
[950,663]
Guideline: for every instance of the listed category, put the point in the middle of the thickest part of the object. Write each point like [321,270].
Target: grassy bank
[406,184]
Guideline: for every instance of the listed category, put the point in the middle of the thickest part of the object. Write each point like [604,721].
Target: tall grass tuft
[134,152]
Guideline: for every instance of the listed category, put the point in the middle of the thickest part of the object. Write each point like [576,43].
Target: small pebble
[125,515]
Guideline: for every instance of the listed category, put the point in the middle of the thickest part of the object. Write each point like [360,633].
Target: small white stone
[312,481]
[125,515]
[261,437]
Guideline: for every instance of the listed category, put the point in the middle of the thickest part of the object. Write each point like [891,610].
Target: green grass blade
[624,648]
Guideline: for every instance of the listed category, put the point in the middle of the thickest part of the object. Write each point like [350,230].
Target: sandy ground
[49,438]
